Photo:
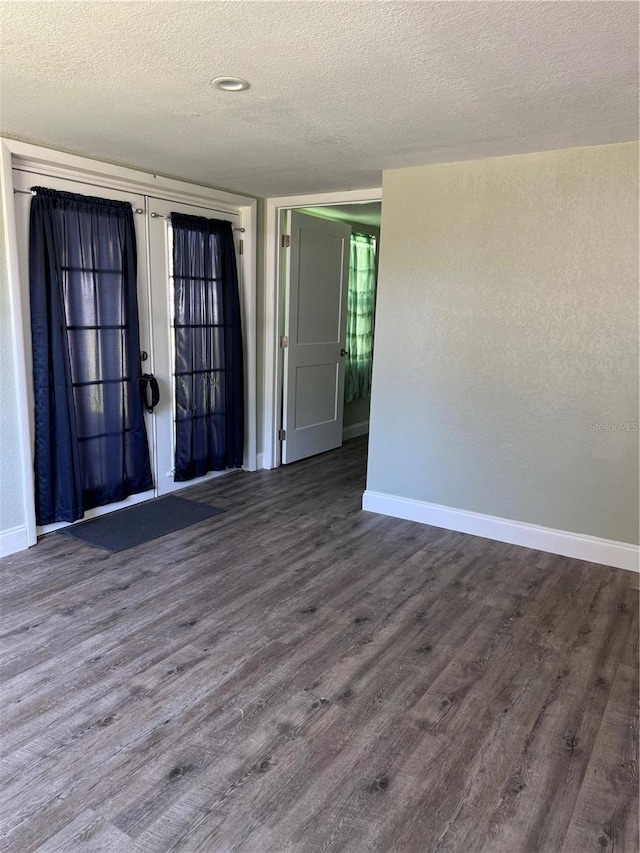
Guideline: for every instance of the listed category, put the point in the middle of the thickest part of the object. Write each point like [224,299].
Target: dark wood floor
[297,676]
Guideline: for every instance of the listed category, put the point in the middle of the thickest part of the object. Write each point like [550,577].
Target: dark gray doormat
[134,525]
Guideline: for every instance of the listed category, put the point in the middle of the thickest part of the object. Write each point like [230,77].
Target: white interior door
[23,181]
[161,274]
[315,324]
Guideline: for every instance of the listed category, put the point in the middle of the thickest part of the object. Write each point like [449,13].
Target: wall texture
[11,475]
[506,350]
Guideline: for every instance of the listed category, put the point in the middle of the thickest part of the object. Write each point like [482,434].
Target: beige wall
[506,330]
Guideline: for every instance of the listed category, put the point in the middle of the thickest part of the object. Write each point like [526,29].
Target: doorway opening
[322,295]
[364,221]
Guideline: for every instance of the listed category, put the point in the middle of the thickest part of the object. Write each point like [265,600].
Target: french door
[163,322]
[23,181]
[155,299]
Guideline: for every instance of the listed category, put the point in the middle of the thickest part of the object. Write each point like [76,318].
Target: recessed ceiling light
[230,84]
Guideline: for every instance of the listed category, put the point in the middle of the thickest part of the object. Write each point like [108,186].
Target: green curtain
[360,313]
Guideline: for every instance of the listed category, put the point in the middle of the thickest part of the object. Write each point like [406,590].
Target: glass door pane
[162,310]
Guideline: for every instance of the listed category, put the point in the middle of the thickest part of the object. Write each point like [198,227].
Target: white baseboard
[259,461]
[13,540]
[353,431]
[621,555]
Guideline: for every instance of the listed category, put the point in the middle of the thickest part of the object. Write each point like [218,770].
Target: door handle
[344,352]
[147,380]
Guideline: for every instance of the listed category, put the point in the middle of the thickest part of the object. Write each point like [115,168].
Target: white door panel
[315,395]
[319,287]
[316,306]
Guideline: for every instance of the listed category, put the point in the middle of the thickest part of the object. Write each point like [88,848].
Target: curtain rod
[166,216]
[135,209]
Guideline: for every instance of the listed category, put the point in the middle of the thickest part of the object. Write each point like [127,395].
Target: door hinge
[284,341]
[241,247]
[286,241]
[282,435]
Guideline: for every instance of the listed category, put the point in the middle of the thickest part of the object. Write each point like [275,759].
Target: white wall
[11,474]
[507,325]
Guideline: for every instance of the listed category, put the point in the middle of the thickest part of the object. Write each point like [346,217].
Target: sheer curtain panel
[90,438]
[360,315]
[209,376]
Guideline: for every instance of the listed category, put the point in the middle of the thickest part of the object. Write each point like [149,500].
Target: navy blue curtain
[90,438]
[209,375]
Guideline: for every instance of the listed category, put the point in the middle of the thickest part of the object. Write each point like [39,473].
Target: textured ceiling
[340,90]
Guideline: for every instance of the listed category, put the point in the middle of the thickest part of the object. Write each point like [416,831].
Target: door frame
[271,456]
[28,157]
